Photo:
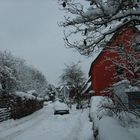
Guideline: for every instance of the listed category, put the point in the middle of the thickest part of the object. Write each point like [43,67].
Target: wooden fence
[5,112]
[15,107]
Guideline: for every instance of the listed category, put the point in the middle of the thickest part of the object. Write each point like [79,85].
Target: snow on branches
[91,23]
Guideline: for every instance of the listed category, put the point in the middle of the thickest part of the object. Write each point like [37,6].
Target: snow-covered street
[44,125]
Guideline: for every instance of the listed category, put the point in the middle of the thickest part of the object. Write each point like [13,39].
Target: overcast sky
[28,28]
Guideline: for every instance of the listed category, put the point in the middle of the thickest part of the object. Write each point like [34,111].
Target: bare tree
[74,78]
[91,23]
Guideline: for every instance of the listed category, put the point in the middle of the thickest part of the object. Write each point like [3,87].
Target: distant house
[103,70]
[64,92]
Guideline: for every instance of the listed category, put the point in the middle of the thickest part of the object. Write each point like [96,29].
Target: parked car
[60,108]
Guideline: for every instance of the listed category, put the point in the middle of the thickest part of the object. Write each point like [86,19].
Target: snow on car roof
[60,106]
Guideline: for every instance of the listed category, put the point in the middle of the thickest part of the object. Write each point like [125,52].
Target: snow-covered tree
[15,74]
[51,92]
[7,72]
[91,23]
[30,78]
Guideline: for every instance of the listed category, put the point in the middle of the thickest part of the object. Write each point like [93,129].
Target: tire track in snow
[82,130]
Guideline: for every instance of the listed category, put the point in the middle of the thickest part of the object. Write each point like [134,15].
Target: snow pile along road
[110,129]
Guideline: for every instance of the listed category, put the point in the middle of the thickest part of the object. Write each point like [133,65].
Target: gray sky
[28,28]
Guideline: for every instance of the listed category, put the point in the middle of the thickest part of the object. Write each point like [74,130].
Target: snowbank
[107,127]
[110,129]
[97,109]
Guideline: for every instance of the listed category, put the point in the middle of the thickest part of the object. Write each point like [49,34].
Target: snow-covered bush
[99,106]
[99,110]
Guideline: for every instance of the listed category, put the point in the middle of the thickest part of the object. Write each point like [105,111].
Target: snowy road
[43,125]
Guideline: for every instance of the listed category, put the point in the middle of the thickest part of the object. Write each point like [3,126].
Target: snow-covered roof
[86,85]
[122,82]
[60,106]
[64,86]
[132,89]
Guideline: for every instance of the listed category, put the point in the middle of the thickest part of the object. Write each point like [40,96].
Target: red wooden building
[103,70]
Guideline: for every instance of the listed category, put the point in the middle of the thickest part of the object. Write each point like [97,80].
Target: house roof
[86,86]
[130,23]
